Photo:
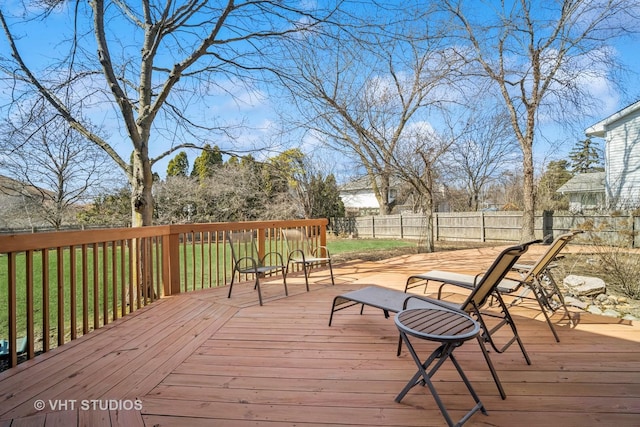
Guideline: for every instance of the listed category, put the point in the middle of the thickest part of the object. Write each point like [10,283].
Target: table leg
[423,377]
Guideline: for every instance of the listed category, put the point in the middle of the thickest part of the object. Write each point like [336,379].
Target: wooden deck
[200,359]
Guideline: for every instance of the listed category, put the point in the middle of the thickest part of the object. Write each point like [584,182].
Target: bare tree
[478,157]
[59,168]
[537,54]
[363,97]
[148,61]
[415,163]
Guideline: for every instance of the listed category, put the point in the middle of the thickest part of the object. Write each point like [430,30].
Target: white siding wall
[623,161]
[360,200]
[579,202]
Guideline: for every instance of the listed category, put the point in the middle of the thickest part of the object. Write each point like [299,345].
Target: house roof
[364,183]
[592,182]
[599,128]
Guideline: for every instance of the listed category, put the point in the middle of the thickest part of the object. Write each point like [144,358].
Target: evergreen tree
[179,165]
[326,198]
[207,162]
[553,178]
[585,157]
[112,209]
[279,172]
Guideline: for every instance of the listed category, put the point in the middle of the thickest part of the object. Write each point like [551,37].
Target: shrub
[619,263]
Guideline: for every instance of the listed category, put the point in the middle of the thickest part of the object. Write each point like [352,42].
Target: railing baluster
[96,304]
[72,293]
[221,249]
[193,260]
[85,290]
[30,303]
[123,280]
[158,249]
[46,343]
[12,308]
[105,285]
[184,262]
[114,279]
[60,283]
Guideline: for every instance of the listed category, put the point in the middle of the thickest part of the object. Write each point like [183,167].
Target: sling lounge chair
[246,260]
[535,278]
[391,300]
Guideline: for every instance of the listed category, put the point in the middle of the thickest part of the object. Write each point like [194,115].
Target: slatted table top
[437,324]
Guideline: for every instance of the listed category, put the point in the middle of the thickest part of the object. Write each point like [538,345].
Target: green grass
[341,246]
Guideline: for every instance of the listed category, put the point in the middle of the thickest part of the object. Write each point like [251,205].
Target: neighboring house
[359,199]
[586,191]
[621,132]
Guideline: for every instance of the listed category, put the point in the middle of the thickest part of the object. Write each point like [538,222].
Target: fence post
[482,231]
[547,224]
[401,227]
[373,227]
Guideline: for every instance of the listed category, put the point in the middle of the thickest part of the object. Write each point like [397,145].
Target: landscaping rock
[611,313]
[575,302]
[573,281]
[585,286]
[593,309]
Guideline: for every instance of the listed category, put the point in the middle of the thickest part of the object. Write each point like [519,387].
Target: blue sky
[237,104]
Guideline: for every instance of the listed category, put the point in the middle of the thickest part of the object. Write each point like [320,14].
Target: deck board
[201,358]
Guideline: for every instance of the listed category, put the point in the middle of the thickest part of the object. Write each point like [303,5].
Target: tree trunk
[426,243]
[380,185]
[528,218]
[141,194]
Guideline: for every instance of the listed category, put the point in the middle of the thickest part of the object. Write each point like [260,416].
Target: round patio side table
[451,329]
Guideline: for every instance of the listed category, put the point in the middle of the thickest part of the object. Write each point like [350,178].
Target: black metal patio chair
[247,260]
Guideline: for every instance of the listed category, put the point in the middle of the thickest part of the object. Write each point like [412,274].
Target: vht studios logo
[88,405]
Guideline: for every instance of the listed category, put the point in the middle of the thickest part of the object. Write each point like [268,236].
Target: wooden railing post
[260,238]
[323,234]
[171,263]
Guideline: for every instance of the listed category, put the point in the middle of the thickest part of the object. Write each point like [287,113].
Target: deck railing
[55,287]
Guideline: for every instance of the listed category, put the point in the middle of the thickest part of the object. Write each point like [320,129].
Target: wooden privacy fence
[619,230]
[55,287]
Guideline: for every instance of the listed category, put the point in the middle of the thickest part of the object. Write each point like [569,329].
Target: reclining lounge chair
[391,300]
[535,278]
